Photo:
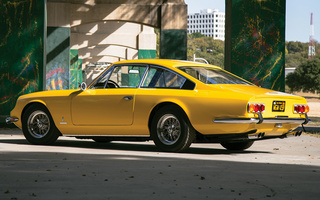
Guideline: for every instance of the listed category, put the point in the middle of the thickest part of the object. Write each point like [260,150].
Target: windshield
[213,75]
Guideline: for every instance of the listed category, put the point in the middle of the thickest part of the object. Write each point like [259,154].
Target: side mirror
[83,86]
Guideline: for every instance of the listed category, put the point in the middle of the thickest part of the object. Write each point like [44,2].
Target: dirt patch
[313,102]
[310,97]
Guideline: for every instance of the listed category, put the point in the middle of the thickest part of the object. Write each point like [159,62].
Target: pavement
[82,169]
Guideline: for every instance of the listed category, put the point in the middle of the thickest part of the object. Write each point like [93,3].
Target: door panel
[103,107]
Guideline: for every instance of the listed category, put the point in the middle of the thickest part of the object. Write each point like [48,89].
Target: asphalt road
[82,169]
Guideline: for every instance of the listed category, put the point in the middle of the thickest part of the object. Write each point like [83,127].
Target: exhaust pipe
[294,134]
[256,136]
[298,133]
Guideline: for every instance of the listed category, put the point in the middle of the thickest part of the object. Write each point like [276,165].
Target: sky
[298,14]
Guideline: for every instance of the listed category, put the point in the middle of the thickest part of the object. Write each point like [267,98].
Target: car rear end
[273,114]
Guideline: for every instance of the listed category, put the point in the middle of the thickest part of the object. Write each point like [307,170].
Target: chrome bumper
[261,120]
[10,120]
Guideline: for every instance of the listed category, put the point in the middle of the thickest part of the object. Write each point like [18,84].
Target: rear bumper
[262,120]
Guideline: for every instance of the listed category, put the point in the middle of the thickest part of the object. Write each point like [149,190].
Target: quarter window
[161,78]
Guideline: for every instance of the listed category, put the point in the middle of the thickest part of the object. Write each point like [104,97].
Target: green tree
[207,48]
[306,77]
[296,53]
[196,35]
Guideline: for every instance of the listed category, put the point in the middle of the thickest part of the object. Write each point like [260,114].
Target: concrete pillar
[22,51]
[57,62]
[255,41]
[147,42]
[173,38]
[108,41]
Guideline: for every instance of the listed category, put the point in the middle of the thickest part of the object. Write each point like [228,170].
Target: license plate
[278,106]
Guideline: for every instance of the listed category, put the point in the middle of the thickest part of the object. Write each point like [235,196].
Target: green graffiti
[21,48]
[257,40]
[173,44]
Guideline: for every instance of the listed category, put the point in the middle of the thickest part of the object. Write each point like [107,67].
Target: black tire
[101,140]
[237,146]
[170,130]
[38,126]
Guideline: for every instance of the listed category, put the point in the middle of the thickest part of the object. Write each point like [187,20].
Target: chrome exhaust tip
[256,136]
[298,133]
[294,134]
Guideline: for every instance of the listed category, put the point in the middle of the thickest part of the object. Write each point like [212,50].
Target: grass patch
[315,121]
[313,133]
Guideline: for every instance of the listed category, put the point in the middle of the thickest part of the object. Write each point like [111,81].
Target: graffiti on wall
[258,42]
[21,48]
[57,67]
[75,69]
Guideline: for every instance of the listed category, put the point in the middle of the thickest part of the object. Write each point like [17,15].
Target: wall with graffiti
[75,69]
[258,41]
[57,49]
[21,50]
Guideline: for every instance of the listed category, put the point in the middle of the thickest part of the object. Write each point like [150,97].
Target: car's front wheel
[38,126]
[237,146]
[171,131]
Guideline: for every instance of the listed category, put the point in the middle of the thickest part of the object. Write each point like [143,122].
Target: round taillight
[251,107]
[302,109]
[262,107]
[298,108]
[307,109]
[256,108]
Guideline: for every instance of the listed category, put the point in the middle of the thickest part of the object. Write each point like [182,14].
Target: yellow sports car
[174,103]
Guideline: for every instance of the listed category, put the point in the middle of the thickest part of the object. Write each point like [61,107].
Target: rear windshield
[213,76]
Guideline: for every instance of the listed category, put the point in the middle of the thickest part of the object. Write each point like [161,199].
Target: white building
[208,22]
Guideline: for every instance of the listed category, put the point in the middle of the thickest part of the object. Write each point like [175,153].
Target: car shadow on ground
[69,175]
[130,146]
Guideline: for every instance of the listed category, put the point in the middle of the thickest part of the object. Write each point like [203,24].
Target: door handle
[128,98]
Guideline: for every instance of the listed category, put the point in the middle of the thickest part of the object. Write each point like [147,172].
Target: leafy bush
[306,77]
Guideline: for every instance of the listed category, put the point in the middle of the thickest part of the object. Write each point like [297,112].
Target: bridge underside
[47,45]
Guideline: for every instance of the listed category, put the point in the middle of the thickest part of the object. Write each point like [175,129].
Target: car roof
[167,63]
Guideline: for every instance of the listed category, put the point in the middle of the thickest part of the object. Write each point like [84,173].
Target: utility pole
[312,48]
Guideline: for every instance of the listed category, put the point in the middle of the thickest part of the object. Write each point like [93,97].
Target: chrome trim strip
[257,120]
[237,121]
[144,76]
[10,120]
[289,120]
[138,136]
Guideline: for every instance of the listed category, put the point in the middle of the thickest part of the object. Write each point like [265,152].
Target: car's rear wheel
[237,146]
[38,126]
[171,131]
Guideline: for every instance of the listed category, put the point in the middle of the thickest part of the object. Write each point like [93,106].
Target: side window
[161,78]
[126,76]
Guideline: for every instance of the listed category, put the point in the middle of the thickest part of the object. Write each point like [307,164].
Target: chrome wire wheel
[38,124]
[168,129]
